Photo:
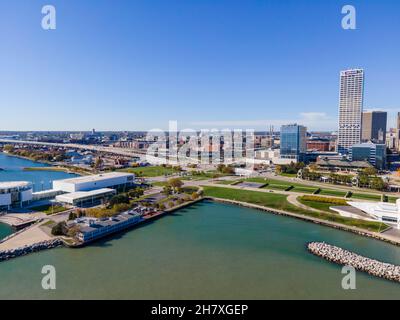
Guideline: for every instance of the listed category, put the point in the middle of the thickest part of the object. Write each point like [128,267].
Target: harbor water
[207,251]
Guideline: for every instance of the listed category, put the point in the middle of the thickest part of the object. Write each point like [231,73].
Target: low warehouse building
[82,198]
[113,180]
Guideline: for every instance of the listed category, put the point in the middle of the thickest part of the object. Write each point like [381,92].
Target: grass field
[331,192]
[364,196]
[154,171]
[317,205]
[49,209]
[279,201]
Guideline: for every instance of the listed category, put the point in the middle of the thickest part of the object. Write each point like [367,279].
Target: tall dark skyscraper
[374,126]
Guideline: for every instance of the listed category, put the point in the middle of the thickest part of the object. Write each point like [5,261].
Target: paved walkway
[32,235]
[292,199]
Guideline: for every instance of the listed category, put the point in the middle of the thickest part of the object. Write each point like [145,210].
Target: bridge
[112,150]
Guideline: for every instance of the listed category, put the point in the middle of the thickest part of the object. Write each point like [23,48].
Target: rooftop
[97,177]
[14,184]
[84,194]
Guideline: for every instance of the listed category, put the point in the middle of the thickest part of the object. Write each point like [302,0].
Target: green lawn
[289,175]
[159,183]
[317,205]
[154,171]
[279,201]
[331,192]
[49,209]
[365,196]
[304,189]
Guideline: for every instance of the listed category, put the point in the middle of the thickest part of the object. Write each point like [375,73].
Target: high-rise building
[371,152]
[374,126]
[351,101]
[398,132]
[293,142]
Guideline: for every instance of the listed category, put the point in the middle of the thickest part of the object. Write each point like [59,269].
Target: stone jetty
[343,257]
[9,254]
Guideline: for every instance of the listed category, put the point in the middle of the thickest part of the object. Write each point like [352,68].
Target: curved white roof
[14,184]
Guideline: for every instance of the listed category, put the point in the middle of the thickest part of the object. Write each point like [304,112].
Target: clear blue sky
[134,65]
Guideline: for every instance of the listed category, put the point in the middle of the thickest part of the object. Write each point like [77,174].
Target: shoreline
[50,166]
[334,225]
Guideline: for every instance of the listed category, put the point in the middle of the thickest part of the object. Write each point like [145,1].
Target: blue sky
[134,65]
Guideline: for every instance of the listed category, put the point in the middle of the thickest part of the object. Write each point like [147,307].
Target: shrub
[324,200]
[59,229]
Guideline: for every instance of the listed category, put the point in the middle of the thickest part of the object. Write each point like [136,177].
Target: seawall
[18,252]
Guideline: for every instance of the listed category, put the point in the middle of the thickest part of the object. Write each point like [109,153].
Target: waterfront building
[293,142]
[374,126]
[375,154]
[351,101]
[91,229]
[115,180]
[82,198]
[15,193]
[375,211]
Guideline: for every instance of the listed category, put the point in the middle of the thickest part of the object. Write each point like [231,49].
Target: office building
[293,142]
[374,126]
[375,154]
[398,132]
[350,108]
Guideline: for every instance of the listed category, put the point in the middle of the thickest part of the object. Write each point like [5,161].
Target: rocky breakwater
[343,257]
[13,253]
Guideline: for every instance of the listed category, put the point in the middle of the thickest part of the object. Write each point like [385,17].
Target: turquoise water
[208,251]
[5,230]
[13,171]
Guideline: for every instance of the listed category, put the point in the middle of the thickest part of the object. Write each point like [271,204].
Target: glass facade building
[293,142]
[375,154]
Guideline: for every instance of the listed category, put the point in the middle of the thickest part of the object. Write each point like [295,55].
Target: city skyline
[140,69]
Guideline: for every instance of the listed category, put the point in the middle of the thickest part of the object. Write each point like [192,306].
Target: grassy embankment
[273,184]
[154,171]
[279,201]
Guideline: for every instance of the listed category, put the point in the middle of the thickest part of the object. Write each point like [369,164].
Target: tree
[167,190]
[72,216]
[370,171]
[120,198]
[59,229]
[98,164]
[8,148]
[175,183]
[195,196]
[377,183]
[136,193]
